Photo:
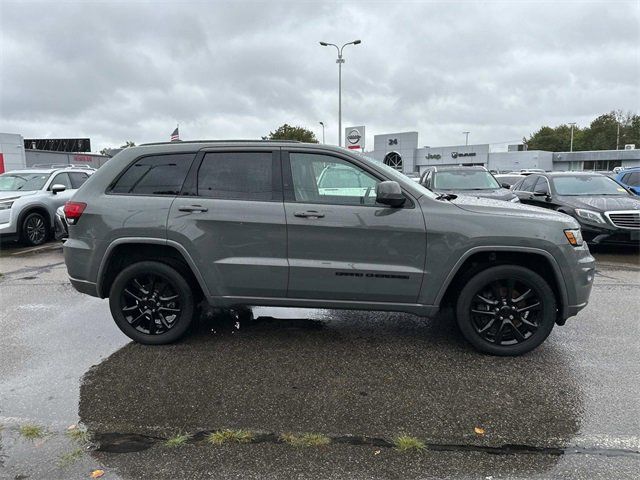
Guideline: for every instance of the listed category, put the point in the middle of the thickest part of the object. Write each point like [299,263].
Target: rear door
[342,245]
[230,217]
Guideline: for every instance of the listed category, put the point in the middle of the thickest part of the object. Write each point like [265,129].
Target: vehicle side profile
[161,227]
[29,199]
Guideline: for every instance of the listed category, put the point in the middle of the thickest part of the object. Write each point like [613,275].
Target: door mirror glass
[390,193]
[58,187]
[505,185]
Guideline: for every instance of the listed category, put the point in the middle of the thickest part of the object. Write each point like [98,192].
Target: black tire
[518,326]
[152,303]
[35,229]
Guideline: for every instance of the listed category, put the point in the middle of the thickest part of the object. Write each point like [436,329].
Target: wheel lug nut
[510,317]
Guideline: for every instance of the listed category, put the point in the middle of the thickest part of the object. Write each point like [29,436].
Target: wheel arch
[37,208]
[480,258]
[124,251]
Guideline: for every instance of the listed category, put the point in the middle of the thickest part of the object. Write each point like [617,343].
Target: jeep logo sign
[354,137]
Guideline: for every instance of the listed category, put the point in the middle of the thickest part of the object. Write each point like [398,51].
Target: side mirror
[540,194]
[390,193]
[57,188]
[505,185]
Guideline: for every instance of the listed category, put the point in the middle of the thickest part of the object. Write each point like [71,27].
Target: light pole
[340,61]
[573,124]
[322,123]
[466,137]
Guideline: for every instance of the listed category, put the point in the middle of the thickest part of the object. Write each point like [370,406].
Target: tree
[108,150]
[287,132]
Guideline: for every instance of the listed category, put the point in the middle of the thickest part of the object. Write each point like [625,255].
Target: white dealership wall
[12,150]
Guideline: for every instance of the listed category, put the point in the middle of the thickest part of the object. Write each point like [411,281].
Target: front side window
[155,175]
[61,179]
[633,179]
[321,178]
[239,176]
[542,186]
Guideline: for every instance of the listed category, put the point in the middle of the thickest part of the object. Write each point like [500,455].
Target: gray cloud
[117,71]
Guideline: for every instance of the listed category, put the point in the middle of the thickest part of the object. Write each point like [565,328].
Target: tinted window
[541,186]
[326,179]
[77,179]
[587,185]
[61,179]
[239,176]
[157,175]
[528,183]
[633,179]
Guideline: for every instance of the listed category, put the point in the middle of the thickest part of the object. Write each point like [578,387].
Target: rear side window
[61,179]
[155,175]
[633,179]
[77,179]
[239,176]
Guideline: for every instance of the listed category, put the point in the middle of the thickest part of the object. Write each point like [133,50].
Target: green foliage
[32,432]
[230,436]
[287,132]
[601,134]
[176,440]
[405,443]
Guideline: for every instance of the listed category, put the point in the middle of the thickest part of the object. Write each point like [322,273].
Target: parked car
[607,212]
[466,181]
[508,178]
[630,178]
[29,199]
[162,226]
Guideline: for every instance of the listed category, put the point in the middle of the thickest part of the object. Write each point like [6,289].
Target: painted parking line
[34,249]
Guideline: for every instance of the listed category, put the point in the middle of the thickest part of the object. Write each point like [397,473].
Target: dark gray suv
[162,226]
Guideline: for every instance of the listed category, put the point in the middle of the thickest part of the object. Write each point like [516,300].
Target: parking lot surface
[567,410]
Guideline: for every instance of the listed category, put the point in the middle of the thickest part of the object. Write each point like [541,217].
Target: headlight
[574,236]
[5,205]
[590,215]
[515,200]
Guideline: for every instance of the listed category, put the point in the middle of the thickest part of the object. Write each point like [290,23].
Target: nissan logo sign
[354,137]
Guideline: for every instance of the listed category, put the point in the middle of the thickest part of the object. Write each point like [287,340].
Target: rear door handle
[309,214]
[193,208]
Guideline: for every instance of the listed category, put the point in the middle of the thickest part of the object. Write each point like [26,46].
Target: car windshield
[465,180]
[588,185]
[24,182]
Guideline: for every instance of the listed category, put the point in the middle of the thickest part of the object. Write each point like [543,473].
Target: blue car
[630,178]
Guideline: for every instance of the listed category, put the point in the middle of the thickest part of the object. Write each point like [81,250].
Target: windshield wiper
[446,196]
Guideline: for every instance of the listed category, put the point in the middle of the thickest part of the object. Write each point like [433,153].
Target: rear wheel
[506,310]
[34,230]
[151,303]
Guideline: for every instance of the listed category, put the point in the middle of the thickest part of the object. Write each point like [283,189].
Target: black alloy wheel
[506,310]
[34,229]
[151,303]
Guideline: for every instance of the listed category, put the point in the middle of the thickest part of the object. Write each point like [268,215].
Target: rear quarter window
[155,175]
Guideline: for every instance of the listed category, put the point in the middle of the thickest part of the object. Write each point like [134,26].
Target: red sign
[1,163]
[82,158]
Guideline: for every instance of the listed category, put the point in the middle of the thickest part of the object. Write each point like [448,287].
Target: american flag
[175,136]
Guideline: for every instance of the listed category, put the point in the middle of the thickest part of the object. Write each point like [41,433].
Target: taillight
[73,211]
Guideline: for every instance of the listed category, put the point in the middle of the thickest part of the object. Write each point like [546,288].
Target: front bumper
[579,274]
[596,235]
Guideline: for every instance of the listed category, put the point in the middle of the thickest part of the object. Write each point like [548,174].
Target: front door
[230,217]
[343,245]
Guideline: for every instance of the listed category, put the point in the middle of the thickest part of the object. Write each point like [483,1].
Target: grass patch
[78,434]
[177,440]
[70,458]
[305,440]
[32,432]
[404,443]
[230,436]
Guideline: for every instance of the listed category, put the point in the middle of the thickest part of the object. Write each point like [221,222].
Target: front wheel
[506,310]
[151,303]
[34,230]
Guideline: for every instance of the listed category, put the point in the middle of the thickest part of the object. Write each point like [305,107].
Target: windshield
[465,180]
[588,185]
[24,182]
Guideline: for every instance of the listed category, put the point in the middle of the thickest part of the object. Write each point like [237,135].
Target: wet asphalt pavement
[570,409]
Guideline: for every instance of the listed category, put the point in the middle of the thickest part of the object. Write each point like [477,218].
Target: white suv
[29,199]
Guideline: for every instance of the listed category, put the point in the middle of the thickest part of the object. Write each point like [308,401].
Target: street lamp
[573,124]
[340,61]
[322,123]
[466,138]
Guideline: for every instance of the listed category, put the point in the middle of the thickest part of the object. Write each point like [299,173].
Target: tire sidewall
[177,281]
[484,277]
[24,238]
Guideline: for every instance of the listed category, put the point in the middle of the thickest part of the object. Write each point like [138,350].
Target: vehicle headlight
[574,236]
[6,205]
[590,215]
[515,200]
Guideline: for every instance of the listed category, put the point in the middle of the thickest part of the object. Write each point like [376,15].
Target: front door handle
[309,214]
[193,208]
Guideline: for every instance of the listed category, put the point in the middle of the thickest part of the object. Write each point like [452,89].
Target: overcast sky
[130,70]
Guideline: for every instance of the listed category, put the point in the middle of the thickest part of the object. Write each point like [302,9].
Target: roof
[217,142]
[449,168]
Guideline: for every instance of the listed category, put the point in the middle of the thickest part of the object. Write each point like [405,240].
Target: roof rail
[221,141]
[61,165]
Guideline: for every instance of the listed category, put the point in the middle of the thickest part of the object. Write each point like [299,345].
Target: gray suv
[163,226]
[29,199]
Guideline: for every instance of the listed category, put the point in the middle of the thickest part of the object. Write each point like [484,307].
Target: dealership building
[401,151]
